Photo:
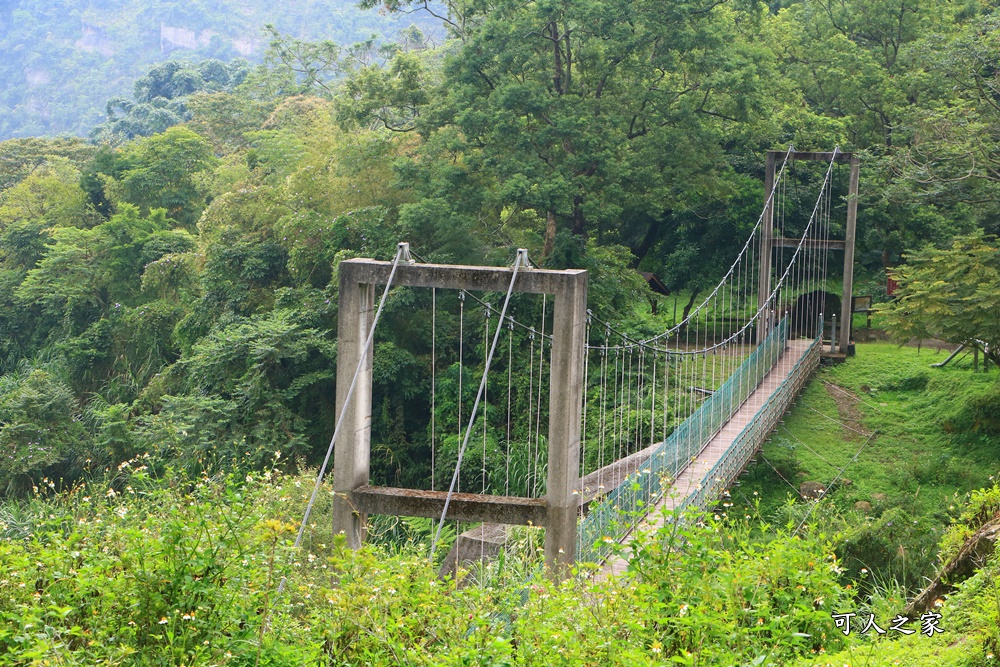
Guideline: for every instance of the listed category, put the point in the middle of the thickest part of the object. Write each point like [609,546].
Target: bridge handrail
[624,507]
[746,443]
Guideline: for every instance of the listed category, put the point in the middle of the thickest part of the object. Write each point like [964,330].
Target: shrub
[39,426]
[898,546]
[148,574]
[171,571]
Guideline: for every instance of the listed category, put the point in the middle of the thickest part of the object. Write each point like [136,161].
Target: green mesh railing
[620,510]
[727,468]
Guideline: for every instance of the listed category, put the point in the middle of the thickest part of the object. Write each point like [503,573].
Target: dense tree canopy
[169,296]
[174,284]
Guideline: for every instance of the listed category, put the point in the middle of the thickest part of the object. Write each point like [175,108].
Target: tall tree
[953,157]
[162,173]
[950,294]
[590,116]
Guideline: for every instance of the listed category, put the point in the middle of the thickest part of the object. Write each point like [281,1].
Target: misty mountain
[63,60]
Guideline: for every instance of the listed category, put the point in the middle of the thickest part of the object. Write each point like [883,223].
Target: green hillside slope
[63,60]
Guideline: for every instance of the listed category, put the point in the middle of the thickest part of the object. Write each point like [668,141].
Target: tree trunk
[557,76]
[641,250]
[550,234]
[688,307]
[976,550]
[579,223]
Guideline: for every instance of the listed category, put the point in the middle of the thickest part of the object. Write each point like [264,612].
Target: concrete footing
[481,543]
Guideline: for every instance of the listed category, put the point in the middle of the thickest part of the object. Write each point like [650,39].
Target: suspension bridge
[578,425]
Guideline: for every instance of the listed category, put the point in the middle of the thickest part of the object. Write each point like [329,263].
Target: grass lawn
[910,448]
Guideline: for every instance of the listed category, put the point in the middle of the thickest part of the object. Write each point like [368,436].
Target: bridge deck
[693,475]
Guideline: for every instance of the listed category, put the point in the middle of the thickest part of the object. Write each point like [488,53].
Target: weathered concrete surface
[463,506]
[569,327]
[352,453]
[485,541]
[450,276]
[481,543]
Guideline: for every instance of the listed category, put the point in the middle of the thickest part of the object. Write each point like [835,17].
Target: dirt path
[847,410]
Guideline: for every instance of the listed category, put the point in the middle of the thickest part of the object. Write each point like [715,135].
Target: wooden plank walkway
[689,479]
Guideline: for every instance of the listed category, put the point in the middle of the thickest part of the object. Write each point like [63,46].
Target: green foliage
[23,243]
[242,391]
[976,603]
[566,110]
[986,410]
[137,307]
[970,614]
[160,97]
[928,452]
[309,66]
[948,294]
[957,117]
[983,506]
[176,296]
[770,600]
[897,546]
[132,568]
[224,118]
[39,425]
[148,574]
[85,270]
[387,97]
[161,173]
[19,158]
[65,60]
[49,195]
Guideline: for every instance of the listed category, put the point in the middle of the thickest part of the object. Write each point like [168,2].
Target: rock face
[95,39]
[36,76]
[247,45]
[811,490]
[173,38]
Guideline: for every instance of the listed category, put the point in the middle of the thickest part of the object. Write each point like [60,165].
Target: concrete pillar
[352,449]
[766,244]
[565,410]
[848,292]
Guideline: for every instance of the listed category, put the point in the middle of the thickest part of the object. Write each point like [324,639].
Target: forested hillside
[143,274]
[64,60]
[169,295]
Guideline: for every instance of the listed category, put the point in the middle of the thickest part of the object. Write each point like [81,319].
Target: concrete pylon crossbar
[358,278]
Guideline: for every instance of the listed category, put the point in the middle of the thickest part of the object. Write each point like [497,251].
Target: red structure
[890,286]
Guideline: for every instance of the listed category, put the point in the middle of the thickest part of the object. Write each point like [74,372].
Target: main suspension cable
[402,254]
